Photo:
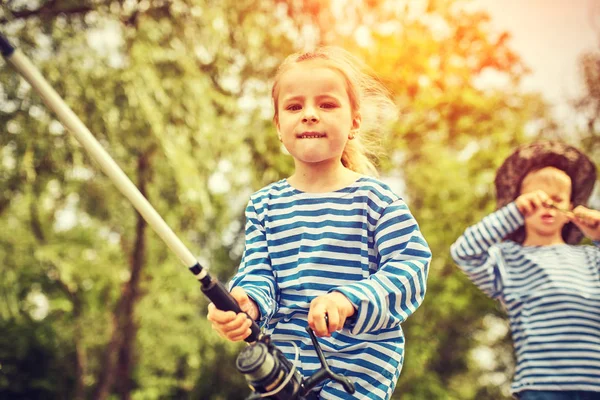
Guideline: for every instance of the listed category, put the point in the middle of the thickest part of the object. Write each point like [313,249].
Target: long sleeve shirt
[361,241]
[552,297]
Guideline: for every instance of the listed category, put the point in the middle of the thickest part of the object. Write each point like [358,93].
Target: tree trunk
[106,378]
[126,352]
[119,355]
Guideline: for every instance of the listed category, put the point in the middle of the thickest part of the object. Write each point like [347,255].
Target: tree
[178,93]
[170,155]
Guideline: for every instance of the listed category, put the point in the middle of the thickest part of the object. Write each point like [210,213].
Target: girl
[330,241]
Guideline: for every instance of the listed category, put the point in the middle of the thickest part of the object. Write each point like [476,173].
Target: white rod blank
[68,118]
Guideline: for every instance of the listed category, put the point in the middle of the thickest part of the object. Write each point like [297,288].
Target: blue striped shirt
[552,297]
[361,241]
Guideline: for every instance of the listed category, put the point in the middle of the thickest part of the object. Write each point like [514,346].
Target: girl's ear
[356,121]
[276,120]
[355,126]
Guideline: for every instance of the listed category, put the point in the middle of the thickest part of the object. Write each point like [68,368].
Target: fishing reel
[272,376]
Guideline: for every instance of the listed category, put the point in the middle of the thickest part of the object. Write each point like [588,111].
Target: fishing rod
[212,288]
[269,374]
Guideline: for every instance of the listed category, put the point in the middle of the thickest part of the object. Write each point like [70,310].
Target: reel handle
[325,372]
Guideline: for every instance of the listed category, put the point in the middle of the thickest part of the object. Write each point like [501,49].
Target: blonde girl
[330,246]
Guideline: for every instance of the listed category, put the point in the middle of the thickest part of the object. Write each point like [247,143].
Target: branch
[47,11]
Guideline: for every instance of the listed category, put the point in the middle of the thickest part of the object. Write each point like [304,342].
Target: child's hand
[335,306]
[528,203]
[234,326]
[588,221]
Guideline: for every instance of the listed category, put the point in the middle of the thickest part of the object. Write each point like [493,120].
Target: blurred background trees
[92,303]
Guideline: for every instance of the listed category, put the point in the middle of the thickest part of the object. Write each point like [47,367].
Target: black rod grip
[5,47]
[224,301]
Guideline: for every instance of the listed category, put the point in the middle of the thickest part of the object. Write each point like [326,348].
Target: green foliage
[33,361]
[184,86]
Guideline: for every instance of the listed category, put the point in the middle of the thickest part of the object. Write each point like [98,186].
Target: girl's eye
[293,107]
[328,105]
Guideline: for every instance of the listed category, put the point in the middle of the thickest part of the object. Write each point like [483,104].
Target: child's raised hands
[528,203]
[588,221]
[230,325]
[335,306]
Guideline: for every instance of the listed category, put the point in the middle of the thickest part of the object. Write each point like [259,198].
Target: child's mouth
[548,218]
[311,135]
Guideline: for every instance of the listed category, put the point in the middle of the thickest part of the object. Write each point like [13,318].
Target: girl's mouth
[310,135]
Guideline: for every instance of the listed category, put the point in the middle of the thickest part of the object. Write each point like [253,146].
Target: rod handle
[224,301]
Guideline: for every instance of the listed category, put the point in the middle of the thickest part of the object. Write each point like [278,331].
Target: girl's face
[557,185]
[315,117]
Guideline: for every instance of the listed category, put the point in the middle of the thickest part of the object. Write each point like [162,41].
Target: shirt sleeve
[397,288]
[473,251]
[255,274]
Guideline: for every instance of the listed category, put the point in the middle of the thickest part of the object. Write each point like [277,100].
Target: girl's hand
[230,325]
[335,306]
[588,221]
[528,203]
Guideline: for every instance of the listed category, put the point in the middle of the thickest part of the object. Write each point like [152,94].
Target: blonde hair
[367,95]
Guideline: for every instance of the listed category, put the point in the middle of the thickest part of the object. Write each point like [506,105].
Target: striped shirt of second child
[552,297]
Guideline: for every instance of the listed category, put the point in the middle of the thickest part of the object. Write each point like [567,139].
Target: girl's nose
[310,115]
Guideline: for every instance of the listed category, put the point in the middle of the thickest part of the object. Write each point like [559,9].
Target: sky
[550,36]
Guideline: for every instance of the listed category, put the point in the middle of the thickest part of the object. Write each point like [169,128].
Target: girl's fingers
[220,317]
[240,337]
[235,324]
[239,332]
[321,328]
[333,319]
[328,313]
[228,324]
[211,309]
[214,314]
[233,336]
[316,320]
